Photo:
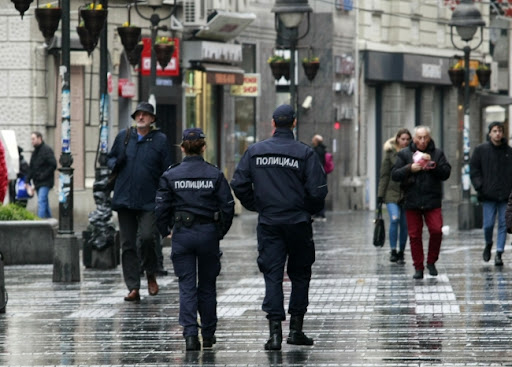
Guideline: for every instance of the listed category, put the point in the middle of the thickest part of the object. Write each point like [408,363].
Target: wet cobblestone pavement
[364,310]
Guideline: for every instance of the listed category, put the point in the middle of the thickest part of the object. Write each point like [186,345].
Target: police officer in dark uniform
[195,204]
[282,179]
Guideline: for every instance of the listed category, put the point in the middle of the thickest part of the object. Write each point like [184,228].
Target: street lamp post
[66,267]
[466,19]
[290,14]
[155,19]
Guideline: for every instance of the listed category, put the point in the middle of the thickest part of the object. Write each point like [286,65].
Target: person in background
[491,176]
[4,178]
[317,143]
[194,203]
[282,179]
[421,169]
[42,169]
[389,193]
[139,164]
[24,168]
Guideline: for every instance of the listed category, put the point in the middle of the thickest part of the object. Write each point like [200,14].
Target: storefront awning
[495,99]
[223,74]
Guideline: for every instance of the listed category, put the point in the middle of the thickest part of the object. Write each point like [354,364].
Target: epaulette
[173,165]
[211,164]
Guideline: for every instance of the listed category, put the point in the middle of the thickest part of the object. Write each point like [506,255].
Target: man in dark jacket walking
[421,168]
[140,163]
[42,167]
[283,181]
[491,176]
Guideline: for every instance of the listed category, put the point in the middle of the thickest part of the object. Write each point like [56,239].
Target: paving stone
[364,310]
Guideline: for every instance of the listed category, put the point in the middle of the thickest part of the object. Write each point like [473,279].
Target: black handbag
[111,180]
[379,231]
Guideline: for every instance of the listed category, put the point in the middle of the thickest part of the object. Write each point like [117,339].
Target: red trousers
[434,221]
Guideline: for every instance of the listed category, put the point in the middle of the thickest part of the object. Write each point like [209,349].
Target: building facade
[383,66]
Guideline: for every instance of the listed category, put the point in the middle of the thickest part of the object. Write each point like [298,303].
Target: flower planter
[22,6]
[280,69]
[483,76]
[456,77]
[134,55]
[89,43]
[310,69]
[163,53]
[48,21]
[94,21]
[130,36]
[28,241]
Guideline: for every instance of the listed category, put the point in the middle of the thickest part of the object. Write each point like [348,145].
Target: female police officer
[194,201]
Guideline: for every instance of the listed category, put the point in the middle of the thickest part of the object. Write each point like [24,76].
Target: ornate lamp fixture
[466,19]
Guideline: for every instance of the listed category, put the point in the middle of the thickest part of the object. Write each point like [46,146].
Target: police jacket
[422,190]
[491,171]
[140,168]
[282,179]
[42,166]
[389,190]
[196,187]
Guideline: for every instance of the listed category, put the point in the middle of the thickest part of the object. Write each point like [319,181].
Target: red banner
[172,69]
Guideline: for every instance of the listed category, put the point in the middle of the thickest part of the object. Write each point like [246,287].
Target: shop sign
[249,88]
[126,88]
[172,69]
[213,77]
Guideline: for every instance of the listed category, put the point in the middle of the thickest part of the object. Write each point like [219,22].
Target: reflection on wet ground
[364,310]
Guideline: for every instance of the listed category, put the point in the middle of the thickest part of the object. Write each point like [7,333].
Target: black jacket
[139,169]
[491,171]
[197,187]
[423,189]
[282,179]
[42,166]
[321,149]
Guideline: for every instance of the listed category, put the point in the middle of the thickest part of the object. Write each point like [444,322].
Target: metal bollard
[3,292]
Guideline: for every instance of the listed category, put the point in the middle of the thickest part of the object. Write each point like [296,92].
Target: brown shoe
[133,296]
[152,285]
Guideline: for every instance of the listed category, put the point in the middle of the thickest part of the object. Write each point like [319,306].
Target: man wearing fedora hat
[139,160]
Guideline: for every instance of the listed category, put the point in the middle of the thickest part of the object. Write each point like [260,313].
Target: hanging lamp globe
[466,19]
[291,12]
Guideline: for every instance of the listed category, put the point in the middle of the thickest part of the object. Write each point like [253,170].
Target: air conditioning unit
[194,13]
[218,5]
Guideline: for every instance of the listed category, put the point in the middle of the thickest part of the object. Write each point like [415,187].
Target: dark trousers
[434,221]
[276,243]
[131,222]
[196,260]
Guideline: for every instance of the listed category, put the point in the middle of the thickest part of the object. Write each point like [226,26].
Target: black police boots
[276,335]
[192,343]
[296,335]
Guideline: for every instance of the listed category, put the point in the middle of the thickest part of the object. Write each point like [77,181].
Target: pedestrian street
[364,310]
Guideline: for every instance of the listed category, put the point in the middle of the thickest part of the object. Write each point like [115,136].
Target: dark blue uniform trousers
[276,243]
[196,260]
